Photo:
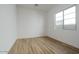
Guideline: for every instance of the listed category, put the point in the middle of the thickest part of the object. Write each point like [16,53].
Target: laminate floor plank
[40,46]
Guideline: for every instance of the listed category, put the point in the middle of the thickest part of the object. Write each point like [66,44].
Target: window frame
[75,17]
[63,26]
[55,16]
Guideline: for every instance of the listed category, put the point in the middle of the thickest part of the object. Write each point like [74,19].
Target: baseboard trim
[3,52]
[33,37]
[65,44]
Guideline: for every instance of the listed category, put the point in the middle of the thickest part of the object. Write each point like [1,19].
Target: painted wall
[68,36]
[30,23]
[7,27]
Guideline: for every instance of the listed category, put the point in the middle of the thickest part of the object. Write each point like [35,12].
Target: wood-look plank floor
[40,46]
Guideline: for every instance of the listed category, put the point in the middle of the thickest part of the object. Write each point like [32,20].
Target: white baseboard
[3,52]
[30,36]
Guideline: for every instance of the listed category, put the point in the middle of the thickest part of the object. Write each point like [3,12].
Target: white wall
[30,22]
[68,36]
[7,27]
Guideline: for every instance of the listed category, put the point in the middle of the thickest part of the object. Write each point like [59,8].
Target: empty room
[39,28]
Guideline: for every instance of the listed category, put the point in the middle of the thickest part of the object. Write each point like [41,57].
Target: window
[59,19]
[67,18]
[70,18]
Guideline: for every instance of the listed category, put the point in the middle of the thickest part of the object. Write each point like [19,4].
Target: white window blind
[59,20]
[70,18]
[66,19]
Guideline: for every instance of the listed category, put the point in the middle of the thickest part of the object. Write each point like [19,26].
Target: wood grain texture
[41,45]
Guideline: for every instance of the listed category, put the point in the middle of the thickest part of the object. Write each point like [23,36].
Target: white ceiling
[42,7]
